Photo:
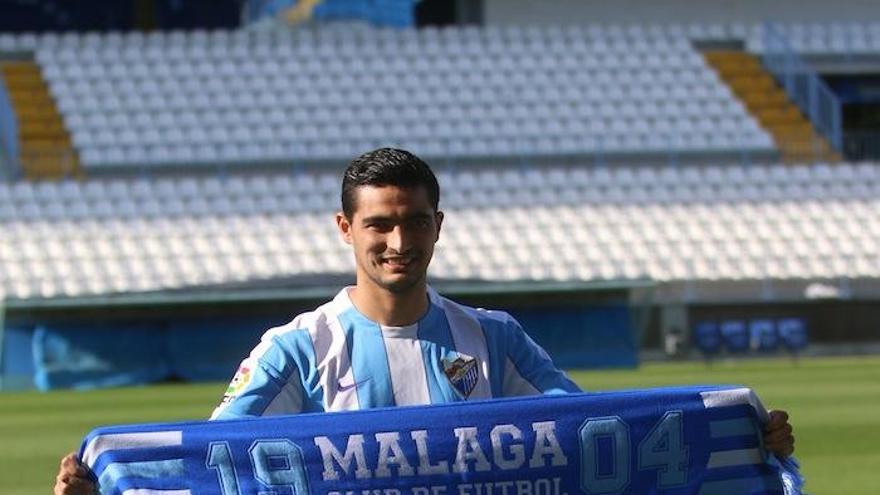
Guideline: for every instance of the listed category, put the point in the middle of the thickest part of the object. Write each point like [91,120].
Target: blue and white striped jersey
[335,359]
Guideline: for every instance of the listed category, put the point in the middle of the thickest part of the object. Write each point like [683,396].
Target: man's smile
[398,262]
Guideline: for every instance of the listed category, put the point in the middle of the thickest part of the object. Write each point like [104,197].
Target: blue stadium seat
[763,336]
[707,338]
[735,335]
[793,333]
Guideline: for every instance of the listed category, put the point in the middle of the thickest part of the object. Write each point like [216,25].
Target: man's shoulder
[486,317]
[303,324]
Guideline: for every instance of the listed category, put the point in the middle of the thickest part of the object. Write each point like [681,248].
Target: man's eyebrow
[376,218]
[384,218]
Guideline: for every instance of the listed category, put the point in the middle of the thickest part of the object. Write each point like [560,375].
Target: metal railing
[9,153]
[803,85]
[862,145]
[277,13]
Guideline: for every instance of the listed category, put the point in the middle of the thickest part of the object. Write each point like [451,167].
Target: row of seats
[477,105]
[823,39]
[465,188]
[355,35]
[355,32]
[176,253]
[104,236]
[830,226]
[576,84]
[239,153]
[820,38]
[762,335]
[545,53]
[359,119]
[582,132]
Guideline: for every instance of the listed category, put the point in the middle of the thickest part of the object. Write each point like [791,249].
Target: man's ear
[344,226]
[438,218]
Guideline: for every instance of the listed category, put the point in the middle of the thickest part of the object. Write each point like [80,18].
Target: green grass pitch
[834,404]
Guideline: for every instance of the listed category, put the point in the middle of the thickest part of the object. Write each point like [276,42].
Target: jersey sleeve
[268,382]
[528,369]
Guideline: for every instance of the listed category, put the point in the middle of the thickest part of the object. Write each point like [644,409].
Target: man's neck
[390,308]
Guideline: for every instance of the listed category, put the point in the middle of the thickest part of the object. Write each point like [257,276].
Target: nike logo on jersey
[342,388]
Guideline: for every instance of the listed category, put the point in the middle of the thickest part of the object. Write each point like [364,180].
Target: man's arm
[260,388]
[529,369]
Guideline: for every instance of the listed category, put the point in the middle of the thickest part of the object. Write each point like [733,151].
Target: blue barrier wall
[121,353]
[97,355]
[17,364]
[586,337]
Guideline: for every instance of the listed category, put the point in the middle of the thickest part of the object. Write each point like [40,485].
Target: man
[390,340]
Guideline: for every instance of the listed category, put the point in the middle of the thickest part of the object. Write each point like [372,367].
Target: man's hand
[778,437]
[73,478]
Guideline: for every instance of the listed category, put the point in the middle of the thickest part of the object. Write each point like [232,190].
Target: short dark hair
[387,167]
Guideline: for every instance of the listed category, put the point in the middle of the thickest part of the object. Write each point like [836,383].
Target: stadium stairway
[795,136]
[46,148]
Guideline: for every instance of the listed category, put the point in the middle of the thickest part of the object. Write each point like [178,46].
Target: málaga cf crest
[462,373]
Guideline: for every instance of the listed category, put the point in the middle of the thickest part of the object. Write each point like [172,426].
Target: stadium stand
[203,97]
[208,162]
[559,223]
[243,97]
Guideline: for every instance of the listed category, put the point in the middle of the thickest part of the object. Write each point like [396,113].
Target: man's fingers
[777,418]
[81,485]
[778,437]
[73,485]
[69,462]
[778,431]
[780,440]
[73,477]
[782,449]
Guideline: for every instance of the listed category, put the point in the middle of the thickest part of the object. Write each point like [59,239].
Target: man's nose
[397,239]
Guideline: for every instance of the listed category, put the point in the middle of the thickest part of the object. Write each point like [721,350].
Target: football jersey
[334,358]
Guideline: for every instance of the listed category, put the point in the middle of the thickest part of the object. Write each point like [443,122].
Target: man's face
[392,232]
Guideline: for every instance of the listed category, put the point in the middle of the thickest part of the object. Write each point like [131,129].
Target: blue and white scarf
[695,440]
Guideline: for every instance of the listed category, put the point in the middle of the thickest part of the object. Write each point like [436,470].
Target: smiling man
[391,340]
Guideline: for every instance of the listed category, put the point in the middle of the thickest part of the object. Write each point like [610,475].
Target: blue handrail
[803,85]
[8,131]
[390,13]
